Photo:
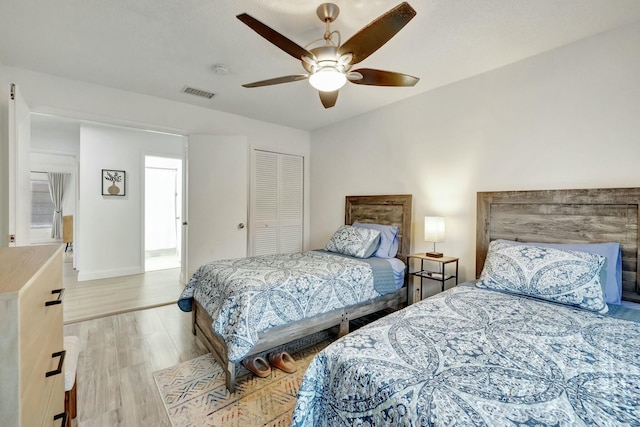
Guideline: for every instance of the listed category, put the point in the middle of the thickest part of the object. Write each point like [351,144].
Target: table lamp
[434,232]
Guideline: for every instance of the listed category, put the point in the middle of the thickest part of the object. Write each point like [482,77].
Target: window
[41,204]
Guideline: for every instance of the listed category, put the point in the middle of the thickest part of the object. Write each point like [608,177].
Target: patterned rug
[194,393]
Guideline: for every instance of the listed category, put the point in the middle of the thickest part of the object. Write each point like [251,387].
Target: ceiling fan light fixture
[328,67]
[327,79]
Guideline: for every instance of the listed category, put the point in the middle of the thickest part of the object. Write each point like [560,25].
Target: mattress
[247,296]
[477,357]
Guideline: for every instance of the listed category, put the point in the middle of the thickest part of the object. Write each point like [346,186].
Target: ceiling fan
[329,66]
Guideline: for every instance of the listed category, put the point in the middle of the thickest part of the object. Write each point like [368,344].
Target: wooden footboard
[215,344]
[290,332]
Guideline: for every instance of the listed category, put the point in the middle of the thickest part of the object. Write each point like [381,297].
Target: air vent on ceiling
[198,92]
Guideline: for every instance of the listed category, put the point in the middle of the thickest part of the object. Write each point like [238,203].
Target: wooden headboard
[564,216]
[386,209]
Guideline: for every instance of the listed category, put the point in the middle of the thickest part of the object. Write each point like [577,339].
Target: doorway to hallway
[163,207]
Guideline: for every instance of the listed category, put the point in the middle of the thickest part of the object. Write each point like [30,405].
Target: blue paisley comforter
[473,357]
[246,296]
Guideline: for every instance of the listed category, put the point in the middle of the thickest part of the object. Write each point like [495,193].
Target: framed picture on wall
[113,182]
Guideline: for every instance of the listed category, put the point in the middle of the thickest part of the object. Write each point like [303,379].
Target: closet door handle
[60,293]
[64,415]
[61,355]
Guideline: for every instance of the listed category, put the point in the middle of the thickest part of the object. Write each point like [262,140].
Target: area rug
[194,393]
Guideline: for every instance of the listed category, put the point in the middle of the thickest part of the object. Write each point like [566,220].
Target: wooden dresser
[31,336]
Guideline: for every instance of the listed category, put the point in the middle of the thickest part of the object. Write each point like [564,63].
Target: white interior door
[216,198]
[19,169]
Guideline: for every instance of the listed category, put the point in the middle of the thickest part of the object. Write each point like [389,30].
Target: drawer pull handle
[61,355]
[64,415]
[60,293]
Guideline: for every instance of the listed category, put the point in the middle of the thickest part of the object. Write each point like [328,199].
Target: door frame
[18,167]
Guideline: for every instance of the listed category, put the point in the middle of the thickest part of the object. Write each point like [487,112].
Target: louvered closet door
[265,203]
[277,197]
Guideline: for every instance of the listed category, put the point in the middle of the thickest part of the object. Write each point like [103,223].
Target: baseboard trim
[69,320]
[105,274]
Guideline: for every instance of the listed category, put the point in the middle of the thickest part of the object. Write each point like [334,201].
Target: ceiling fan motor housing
[326,56]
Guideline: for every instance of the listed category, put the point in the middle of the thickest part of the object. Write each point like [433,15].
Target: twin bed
[243,307]
[473,356]
[496,355]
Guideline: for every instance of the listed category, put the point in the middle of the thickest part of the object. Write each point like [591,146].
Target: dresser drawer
[36,316]
[37,393]
[41,335]
[44,404]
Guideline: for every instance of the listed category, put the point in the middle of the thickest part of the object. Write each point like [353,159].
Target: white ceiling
[157,47]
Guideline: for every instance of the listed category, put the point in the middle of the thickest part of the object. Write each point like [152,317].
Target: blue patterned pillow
[388,247]
[562,276]
[355,242]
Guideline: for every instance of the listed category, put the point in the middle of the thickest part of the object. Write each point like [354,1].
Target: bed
[474,356]
[263,329]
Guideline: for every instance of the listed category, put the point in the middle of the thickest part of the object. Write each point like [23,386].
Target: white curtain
[57,186]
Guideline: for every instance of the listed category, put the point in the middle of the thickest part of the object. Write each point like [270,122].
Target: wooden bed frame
[384,209]
[564,216]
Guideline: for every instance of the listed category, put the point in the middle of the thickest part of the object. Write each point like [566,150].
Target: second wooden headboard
[392,209]
[564,216]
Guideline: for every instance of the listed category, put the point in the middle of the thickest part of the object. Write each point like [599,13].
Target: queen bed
[533,342]
[243,307]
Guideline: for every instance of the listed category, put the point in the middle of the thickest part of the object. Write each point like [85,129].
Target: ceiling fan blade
[328,99]
[377,33]
[275,37]
[382,78]
[278,80]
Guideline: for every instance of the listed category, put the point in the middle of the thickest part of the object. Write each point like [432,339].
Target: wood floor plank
[131,349]
[162,351]
[107,419]
[137,385]
[98,392]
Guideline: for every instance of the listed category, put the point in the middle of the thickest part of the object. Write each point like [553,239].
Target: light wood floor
[118,355]
[98,298]
[122,344]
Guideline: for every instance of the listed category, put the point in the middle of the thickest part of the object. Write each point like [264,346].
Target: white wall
[59,138]
[568,118]
[69,98]
[109,240]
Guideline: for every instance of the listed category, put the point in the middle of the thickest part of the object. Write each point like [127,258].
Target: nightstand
[436,270]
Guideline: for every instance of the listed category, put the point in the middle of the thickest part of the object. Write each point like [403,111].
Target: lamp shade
[434,229]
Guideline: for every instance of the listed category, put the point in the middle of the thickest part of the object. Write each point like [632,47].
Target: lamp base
[435,254]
